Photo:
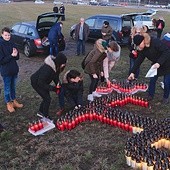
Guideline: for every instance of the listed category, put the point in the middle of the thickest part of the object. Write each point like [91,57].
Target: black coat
[158,52]
[43,77]
[8,63]
[73,88]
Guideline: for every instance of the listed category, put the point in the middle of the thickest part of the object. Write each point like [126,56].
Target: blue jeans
[9,88]
[81,45]
[152,85]
[54,49]
[132,62]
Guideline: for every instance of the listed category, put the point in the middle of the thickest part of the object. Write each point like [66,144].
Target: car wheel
[27,50]
[73,35]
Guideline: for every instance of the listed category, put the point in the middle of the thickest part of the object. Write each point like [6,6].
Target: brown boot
[17,105]
[10,107]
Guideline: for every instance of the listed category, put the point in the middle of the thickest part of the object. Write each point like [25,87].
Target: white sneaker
[90,97]
[95,94]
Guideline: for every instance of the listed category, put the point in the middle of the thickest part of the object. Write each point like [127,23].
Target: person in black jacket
[62,11]
[72,89]
[55,8]
[160,24]
[158,53]
[9,69]
[42,78]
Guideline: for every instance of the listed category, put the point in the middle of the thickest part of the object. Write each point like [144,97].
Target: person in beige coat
[113,55]
[94,66]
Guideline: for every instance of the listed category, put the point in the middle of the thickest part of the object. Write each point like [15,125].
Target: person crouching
[42,78]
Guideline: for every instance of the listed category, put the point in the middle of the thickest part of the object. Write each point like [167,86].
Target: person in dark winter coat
[72,89]
[9,69]
[81,32]
[158,53]
[94,66]
[54,36]
[55,8]
[62,11]
[106,31]
[42,78]
[160,24]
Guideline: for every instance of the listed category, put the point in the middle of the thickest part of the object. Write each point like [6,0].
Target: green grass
[90,146]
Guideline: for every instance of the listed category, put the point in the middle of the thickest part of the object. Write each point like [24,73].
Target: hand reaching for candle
[95,76]
[131,76]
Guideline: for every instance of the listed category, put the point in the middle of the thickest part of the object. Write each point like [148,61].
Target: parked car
[144,20]
[121,25]
[31,37]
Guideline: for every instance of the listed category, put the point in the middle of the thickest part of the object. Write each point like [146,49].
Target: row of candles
[122,87]
[36,126]
[99,110]
[143,151]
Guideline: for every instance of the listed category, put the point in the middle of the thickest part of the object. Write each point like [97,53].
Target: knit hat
[138,39]
[104,44]
[60,59]
[106,23]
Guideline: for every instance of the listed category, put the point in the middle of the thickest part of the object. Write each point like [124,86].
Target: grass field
[90,146]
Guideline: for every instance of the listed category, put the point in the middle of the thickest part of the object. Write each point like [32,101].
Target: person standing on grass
[9,69]
[113,55]
[94,66]
[106,31]
[133,55]
[158,53]
[54,36]
[62,11]
[160,24]
[81,35]
[55,8]
[42,78]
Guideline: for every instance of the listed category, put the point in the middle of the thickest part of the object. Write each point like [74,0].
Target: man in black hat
[158,53]
[106,31]
[42,78]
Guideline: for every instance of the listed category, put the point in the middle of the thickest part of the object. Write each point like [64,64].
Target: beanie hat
[104,44]
[60,59]
[106,23]
[138,39]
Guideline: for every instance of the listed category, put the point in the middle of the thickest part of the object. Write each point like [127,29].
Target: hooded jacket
[8,63]
[55,33]
[47,73]
[158,52]
[94,60]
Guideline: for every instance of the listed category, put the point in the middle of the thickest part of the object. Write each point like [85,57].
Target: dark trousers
[132,62]
[54,49]
[81,46]
[159,33]
[152,85]
[45,104]
[93,84]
